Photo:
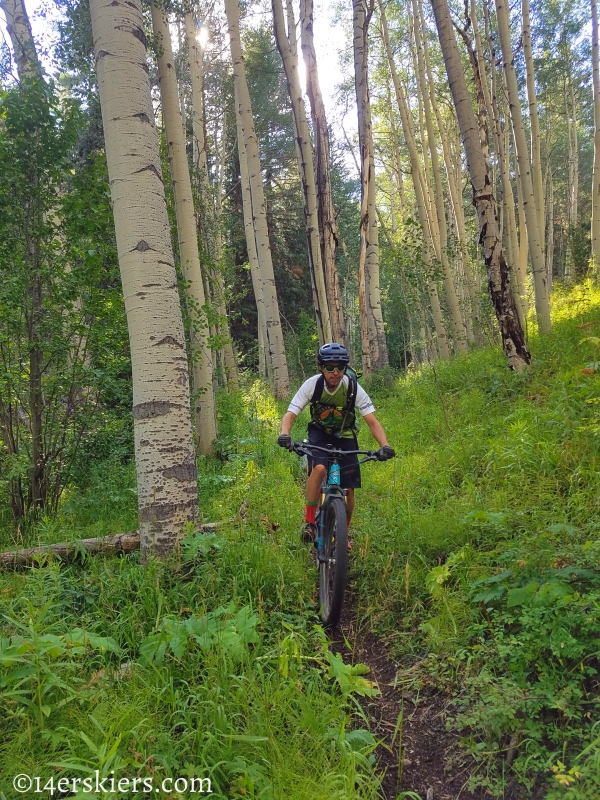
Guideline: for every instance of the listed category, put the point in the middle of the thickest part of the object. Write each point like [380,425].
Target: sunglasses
[333,367]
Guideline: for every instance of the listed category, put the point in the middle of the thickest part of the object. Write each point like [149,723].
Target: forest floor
[475,604]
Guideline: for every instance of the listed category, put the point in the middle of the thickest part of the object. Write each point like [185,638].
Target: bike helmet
[333,353]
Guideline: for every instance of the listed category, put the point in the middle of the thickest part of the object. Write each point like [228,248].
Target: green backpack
[344,416]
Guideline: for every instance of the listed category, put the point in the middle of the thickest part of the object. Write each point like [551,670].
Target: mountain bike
[331,544]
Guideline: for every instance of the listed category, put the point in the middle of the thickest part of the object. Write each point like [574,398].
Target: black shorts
[349,467]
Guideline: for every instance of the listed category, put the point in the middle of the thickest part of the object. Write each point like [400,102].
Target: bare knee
[320,470]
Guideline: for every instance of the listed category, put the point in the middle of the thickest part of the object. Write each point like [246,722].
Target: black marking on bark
[150,168]
[142,117]
[143,295]
[148,285]
[144,442]
[159,511]
[142,246]
[139,34]
[151,409]
[181,472]
[101,54]
[168,340]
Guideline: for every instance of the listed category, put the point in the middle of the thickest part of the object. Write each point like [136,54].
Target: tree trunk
[415,169]
[596,172]
[120,543]
[231,372]
[538,266]
[201,356]
[369,235]
[164,448]
[473,311]
[21,39]
[519,276]
[456,319]
[287,51]
[263,355]
[328,227]
[513,339]
[534,124]
[273,331]
[550,239]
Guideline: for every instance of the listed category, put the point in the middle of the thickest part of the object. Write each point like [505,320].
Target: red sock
[311,510]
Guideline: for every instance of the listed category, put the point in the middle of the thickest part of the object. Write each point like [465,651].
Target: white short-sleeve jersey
[304,395]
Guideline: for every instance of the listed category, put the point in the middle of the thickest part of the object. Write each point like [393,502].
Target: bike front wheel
[333,562]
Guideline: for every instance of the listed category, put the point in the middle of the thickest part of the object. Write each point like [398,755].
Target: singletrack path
[426,747]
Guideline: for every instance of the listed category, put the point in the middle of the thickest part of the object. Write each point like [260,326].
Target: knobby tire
[332,572]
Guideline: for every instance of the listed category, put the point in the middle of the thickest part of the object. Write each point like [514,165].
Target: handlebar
[306,449]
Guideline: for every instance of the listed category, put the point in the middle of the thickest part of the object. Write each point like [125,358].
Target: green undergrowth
[478,552]
[211,665]
[475,559]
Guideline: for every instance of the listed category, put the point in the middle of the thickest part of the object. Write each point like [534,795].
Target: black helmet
[333,353]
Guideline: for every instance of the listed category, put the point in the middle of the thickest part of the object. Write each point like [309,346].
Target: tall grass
[475,559]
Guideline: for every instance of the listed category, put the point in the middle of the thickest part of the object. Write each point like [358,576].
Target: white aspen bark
[397,152]
[369,235]
[538,266]
[513,339]
[575,138]
[415,167]
[534,124]
[596,172]
[550,239]
[456,320]
[263,355]
[164,449]
[328,227]
[273,332]
[523,247]
[231,372]
[200,160]
[21,39]
[518,277]
[201,356]
[304,153]
[472,318]
[209,217]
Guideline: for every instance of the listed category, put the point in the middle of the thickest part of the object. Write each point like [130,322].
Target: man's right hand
[386,452]
[285,440]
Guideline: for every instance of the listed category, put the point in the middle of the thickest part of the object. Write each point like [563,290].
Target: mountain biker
[332,422]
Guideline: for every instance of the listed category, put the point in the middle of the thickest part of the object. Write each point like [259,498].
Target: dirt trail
[422,736]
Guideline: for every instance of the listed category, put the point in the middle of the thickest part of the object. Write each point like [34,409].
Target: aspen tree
[164,450]
[21,39]
[519,276]
[534,235]
[273,331]
[456,320]
[415,168]
[369,237]
[263,356]
[209,218]
[328,227]
[596,171]
[513,339]
[473,310]
[286,44]
[550,238]
[201,356]
[534,124]
[229,358]
[575,145]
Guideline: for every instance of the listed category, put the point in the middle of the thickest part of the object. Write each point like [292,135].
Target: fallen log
[68,551]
